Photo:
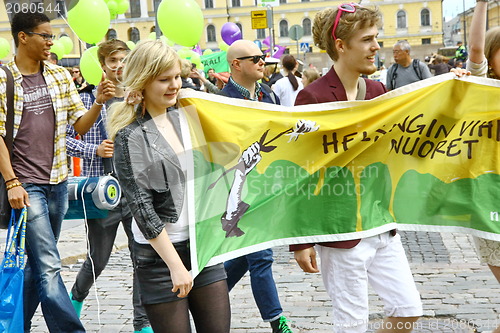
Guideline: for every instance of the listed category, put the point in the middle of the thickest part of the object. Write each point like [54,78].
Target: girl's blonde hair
[349,23]
[491,46]
[143,64]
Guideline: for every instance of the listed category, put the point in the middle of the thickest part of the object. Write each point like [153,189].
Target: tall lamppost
[465,25]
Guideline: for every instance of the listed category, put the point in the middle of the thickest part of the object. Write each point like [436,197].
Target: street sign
[296,32]
[264,3]
[304,47]
[259,19]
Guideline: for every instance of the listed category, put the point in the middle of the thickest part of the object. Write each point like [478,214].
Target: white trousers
[380,261]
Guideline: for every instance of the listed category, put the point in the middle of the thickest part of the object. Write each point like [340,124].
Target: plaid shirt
[244,91]
[86,148]
[66,103]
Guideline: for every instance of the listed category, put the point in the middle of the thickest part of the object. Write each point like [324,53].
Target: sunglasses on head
[347,8]
[255,58]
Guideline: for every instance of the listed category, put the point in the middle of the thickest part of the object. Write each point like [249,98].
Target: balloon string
[80,41]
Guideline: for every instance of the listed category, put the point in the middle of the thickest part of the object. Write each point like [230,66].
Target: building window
[241,28]
[135,8]
[283,28]
[381,44]
[426,41]
[236,3]
[134,35]
[111,34]
[306,26]
[305,0]
[261,33]
[282,1]
[401,19]
[211,35]
[425,17]
[60,8]
[209,3]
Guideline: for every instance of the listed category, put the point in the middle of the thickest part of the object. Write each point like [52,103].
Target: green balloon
[184,53]
[58,48]
[223,46]
[68,44]
[90,66]
[112,7]
[130,44]
[181,21]
[4,48]
[195,59]
[152,35]
[208,52]
[90,20]
[122,6]
[166,40]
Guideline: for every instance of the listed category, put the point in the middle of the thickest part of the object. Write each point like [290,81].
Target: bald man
[247,67]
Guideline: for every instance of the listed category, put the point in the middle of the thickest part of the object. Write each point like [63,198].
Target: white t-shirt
[477,69]
[284,90]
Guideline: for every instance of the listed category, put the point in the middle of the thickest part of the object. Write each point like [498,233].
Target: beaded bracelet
[8,187]
[15,178]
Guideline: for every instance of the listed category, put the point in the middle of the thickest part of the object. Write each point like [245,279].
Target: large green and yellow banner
[423,157]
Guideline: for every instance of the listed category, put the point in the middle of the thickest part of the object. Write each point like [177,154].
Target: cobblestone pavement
[459,295]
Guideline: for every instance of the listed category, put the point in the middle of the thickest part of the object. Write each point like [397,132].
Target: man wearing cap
[271,71]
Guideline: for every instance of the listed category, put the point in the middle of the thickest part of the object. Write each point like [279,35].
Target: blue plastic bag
[12,275]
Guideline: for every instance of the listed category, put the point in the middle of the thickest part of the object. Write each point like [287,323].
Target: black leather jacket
[150,174]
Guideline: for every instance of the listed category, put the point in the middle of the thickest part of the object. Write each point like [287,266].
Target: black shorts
[153,275]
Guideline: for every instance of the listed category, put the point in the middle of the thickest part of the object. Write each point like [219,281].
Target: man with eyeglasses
[405,70]
[247,68]
[97,151]
[45,100]
[348,34]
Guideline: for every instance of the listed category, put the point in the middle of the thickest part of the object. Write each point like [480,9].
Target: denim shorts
[154,278]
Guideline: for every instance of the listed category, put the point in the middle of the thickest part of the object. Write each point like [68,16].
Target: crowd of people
[129,127]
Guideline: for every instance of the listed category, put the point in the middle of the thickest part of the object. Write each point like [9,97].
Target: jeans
[101,236]
[43,283]
[261,279]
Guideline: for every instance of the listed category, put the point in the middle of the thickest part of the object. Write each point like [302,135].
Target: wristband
[8,187]
[15,178]
[97,103]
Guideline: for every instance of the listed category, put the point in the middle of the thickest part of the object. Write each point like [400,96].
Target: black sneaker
[280,325]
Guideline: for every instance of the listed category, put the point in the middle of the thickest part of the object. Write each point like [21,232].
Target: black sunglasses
[46,37]
[255,58]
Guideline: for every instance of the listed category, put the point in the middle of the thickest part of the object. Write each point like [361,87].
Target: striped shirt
[86,148]
[68,107]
